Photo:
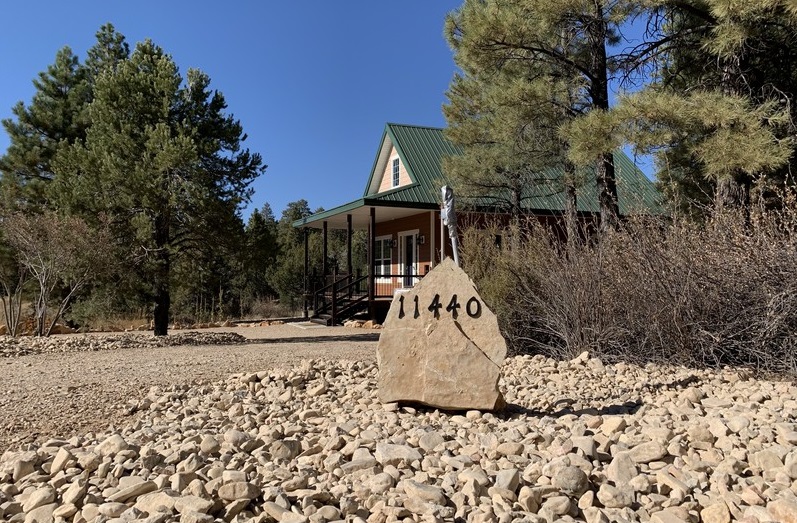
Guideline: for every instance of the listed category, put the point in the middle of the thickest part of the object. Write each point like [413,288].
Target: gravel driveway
[65,394]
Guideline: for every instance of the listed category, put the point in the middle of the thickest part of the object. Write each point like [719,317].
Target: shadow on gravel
[629,407]
[314,339]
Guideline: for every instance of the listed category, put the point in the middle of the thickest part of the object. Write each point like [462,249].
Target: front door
[408,257]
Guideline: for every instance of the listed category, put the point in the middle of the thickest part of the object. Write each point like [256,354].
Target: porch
[402,245]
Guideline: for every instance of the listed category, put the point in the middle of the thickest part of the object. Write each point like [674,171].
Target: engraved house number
[473,307]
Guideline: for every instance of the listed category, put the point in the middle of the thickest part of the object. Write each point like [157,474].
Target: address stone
[441,345]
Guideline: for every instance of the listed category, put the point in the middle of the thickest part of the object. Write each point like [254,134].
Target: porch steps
[346,310]
[322,319]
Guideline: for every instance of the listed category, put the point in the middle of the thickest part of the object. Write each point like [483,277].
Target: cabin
[400,210]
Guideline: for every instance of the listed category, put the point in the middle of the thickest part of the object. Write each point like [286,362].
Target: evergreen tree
[55,116]
[560,40]
[506,120]
[261,253]
[719,114]
[110,49]
[162,160]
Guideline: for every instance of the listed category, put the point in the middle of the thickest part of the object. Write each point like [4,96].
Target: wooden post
[306,269]
[432,239]
[348,246]
[442,239]
[371,260]
[334,319]
[324,267]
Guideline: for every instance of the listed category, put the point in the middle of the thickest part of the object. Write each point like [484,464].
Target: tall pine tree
[564,41]
[162,159]
[55,117]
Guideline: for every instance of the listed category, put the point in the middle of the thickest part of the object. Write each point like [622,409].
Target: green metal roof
[422,150]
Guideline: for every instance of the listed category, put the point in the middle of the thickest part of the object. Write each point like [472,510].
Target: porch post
[442,240]
[306,270]
[371,258]
[348,246]
[431,238]
[324,255]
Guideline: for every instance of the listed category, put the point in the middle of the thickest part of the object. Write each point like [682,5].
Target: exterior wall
[387,175]
[410,223]
[420,222]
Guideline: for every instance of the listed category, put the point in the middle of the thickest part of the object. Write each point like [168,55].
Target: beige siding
[387,175]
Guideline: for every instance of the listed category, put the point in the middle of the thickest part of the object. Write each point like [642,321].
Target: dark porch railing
[342,296]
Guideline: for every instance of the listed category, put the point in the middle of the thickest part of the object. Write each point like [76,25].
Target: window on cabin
[383,256]
[395,172]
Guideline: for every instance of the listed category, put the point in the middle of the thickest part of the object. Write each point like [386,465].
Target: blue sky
[312,81]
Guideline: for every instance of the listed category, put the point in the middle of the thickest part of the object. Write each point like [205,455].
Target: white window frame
[402,238]
[396,172]
[379,261]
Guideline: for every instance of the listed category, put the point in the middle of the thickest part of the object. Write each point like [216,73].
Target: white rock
[185,504]
[572,481]
[647,452]
[423,492]
[389,454]
[41,514]
[614,497]
[622,469]
[39,497]
[239,490]
[112,445]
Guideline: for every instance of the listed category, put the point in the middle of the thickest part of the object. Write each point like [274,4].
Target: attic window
[395,172]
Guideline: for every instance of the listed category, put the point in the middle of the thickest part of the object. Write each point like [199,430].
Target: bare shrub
[266,308]
[13,277]
[718,293]
[63,254]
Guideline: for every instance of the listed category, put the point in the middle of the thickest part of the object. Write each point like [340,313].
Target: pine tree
[110,49]
[719,114]
[562,42]
[506,120]
[261,253]
[56,116]
[162,159]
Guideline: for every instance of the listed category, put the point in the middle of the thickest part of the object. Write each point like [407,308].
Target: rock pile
[581,441]
[23,346]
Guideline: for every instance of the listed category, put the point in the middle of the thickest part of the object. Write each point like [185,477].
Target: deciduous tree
[60,252]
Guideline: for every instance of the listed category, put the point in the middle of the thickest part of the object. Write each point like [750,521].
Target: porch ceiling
[360,211]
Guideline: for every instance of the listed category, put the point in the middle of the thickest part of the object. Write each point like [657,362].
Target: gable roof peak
[414,126]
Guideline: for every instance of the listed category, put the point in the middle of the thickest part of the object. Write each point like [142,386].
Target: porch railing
[345,295]
[385,285]
[339,299]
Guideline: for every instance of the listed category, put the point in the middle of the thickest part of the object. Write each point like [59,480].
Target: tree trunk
[571,207]
[732,192]
[162,304]
[162,291]
[41,309]
[599,92]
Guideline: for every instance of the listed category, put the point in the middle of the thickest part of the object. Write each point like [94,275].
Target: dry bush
[259,309]
[718,293]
